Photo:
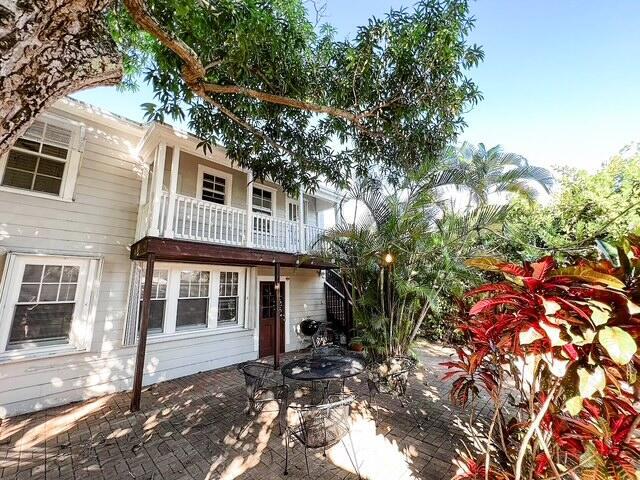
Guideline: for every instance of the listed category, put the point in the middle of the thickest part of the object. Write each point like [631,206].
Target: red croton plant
[555,348]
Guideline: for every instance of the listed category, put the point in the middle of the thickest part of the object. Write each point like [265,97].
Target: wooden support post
[142,335]
[276,346]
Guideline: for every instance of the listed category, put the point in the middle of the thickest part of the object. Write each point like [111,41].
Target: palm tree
[401,254]
[493,172]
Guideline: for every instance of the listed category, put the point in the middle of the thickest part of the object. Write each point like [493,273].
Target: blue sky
[560,78]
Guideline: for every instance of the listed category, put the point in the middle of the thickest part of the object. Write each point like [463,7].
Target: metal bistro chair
[323,336]
[321,426]
[263,385]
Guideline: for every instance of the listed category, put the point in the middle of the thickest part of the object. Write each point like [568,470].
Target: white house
[86,198]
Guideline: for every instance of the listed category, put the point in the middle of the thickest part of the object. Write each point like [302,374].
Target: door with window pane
[262,205]
[267,317]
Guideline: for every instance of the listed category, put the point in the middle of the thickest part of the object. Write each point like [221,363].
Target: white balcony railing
[199,220]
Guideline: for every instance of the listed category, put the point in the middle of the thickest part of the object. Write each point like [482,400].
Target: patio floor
[187,429]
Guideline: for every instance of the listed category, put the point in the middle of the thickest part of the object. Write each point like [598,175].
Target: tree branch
[194,72]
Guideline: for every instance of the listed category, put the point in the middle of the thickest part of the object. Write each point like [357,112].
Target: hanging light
[388,258]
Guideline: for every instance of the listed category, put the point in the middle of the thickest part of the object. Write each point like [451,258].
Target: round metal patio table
[322,371]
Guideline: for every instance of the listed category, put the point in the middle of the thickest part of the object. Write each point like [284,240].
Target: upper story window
[262,201]
[214,185]
[213,188]
[293,209]
[46,302]
[44,161]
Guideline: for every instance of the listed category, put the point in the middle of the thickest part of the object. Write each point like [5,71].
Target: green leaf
[574,405]
[620,346]
[591,382]
[588,275]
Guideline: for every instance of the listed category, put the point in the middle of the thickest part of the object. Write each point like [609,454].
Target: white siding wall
[101,221]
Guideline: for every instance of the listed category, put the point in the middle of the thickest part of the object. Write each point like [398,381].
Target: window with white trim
[214,185]
[193,299]
[262,201]
[158,300]
[294,208]
[46,302]
[228,298]
[44,160]
[213,188]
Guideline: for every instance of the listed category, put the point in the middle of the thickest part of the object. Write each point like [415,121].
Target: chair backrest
[255,375]
[323,336]
[325,424]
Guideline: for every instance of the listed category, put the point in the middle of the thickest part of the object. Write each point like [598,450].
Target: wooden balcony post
[142,336]
[144,185]
[173,187]
[277,333]
[301,232]
[156,189]
[249,226]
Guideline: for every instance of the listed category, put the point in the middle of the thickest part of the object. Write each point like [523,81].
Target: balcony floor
[187,429]
[173,250]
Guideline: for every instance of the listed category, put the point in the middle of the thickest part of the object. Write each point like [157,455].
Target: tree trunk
[49,49]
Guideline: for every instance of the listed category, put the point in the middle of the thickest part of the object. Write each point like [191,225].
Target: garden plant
[555,349]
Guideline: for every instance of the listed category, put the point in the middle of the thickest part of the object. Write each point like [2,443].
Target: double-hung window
[158,300]
[188,298]
[193,299]
[44,161]
[45,302]
[228,298]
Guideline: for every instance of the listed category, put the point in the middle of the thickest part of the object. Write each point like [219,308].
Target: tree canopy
[290,100]
[586,208]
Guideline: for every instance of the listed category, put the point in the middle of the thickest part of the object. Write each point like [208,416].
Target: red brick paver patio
[187,429]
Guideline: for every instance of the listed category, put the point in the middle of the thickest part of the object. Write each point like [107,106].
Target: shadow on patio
[188,428]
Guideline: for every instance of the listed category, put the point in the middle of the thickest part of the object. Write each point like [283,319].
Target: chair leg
[306,459]
[286,453]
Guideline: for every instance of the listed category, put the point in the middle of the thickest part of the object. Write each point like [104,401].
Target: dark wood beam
[172,250]
[142,335]
[276,341]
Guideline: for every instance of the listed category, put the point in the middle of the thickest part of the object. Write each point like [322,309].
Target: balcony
[186,195]
[187,218]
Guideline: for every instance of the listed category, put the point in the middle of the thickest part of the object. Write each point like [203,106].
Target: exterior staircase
[339,307]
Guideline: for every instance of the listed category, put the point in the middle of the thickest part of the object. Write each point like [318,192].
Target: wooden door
[267,317]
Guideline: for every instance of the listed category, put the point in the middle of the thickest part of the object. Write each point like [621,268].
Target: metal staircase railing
[339,308]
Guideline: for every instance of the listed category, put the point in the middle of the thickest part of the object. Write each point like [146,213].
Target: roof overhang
[184,251]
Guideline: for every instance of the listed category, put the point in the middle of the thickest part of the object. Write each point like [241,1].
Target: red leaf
[542,267]
[487,303]
[571,351]
[513,269]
